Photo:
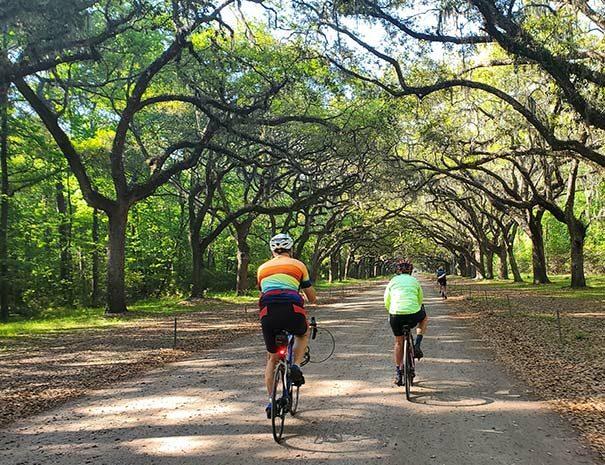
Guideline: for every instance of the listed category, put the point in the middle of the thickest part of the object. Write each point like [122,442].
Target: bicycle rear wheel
[294,399]
[278,402]
[408,375]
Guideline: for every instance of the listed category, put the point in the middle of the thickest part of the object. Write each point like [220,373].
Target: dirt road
[209,410]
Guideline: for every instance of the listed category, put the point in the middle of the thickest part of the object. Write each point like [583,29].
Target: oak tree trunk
[510,250]
[577,234]
[197,287]
[348,265]
[480,264]
[514,266]
[538,256]
[116,252]
[243,254]
[334,258]
[489,264]
[503,266]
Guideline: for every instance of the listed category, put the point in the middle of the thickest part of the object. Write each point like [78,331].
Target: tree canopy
[163,143]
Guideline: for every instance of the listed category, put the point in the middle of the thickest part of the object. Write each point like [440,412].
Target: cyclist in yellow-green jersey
[403,300]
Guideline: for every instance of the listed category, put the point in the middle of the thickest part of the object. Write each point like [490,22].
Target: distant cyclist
[403,300]
[442,281]
[280,281]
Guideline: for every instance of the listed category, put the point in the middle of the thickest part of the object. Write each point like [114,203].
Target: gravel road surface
[209,410]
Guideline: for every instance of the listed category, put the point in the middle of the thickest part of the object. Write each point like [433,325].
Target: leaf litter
[40,372]
[566,367]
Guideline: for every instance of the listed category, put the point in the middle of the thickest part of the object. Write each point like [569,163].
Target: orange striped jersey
[283,273]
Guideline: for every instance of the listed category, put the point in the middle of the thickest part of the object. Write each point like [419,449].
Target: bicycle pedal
[306,358]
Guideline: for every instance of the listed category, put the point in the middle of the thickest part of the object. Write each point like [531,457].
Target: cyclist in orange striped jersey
[280,281]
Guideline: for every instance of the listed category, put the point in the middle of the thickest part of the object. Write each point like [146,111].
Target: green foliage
[378,139]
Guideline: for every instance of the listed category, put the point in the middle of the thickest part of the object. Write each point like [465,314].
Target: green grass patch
[65,319]
[581,336]
[558,287]
[250,297]
[57,319]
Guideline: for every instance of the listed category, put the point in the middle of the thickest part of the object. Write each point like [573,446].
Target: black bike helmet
[404,266]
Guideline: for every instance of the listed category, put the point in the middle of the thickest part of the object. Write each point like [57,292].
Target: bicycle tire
[329,341]
[407,370]
[278,407]
[294,393]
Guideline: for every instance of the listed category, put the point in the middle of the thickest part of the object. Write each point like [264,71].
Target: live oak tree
[138,96]
[41,35]
[553,40]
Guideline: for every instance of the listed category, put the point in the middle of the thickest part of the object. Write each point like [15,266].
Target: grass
[57,319]
[559,286]
[63,319]
[250,297]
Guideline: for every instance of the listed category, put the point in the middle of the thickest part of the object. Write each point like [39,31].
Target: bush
[215,280]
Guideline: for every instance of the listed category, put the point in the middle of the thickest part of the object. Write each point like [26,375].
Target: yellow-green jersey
[403,295]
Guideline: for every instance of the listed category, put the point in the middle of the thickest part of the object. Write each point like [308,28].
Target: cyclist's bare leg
[300,345]
[272,360]
[422,326]
[398,351]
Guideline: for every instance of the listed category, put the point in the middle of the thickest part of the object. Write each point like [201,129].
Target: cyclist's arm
[420,294]
[311,294]
[307,287]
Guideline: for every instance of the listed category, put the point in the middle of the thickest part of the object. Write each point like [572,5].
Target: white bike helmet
[281,242]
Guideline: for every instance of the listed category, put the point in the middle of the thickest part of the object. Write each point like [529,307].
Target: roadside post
[174,340]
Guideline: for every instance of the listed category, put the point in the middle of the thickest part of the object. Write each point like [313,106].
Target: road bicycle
[442,289]
[284,396]
[409,362]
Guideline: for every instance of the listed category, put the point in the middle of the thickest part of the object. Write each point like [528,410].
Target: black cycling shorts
[282,317]
[442,280]
[399,321]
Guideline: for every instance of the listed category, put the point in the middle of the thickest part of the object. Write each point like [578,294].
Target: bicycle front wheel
[322,347]
[278,402]
[408,374]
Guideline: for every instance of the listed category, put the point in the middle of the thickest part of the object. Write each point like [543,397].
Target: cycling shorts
[442,280]
[397,322]
[282,317]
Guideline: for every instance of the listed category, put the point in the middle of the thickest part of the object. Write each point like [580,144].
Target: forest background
[151,149]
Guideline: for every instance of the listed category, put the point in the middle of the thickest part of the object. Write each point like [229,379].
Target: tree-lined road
[209,410]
